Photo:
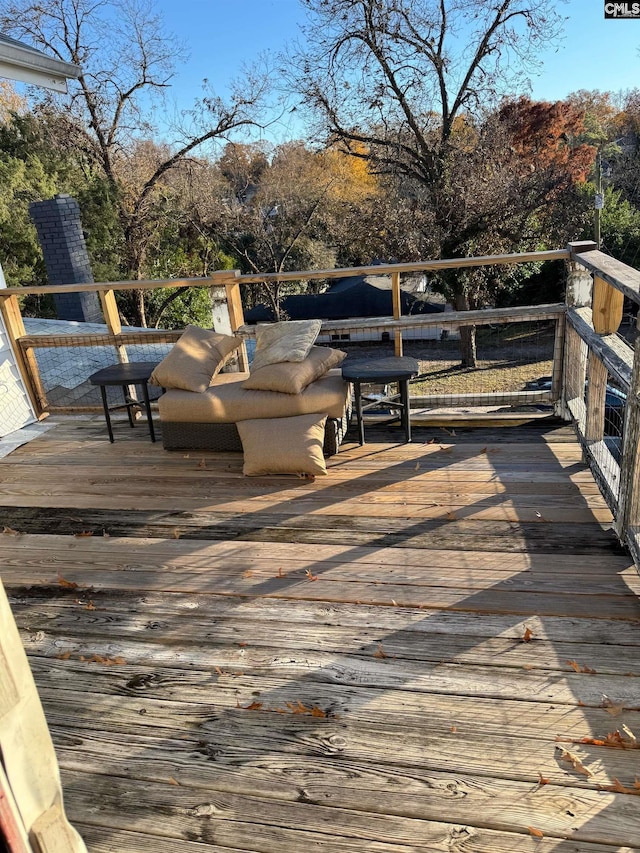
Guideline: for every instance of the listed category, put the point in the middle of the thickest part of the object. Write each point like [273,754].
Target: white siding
[15,406]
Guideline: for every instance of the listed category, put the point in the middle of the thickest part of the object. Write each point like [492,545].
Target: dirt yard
[509,356]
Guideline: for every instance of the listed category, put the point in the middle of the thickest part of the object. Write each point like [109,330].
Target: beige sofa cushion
[283,446]
[226,401]
[290,340]
[292,377]
[195,359]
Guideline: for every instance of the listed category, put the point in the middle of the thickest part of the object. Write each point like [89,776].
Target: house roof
[19,61]
[359,298]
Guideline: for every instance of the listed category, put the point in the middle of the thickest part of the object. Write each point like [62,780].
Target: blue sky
[221,34]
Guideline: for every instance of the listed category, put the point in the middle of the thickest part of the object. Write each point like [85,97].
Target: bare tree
[401,83]
[283,213]
[127,61]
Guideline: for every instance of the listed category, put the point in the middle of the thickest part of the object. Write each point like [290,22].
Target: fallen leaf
[310,576]
[612,708]
[527,636]
[381,652]
[242,645]
[575,762]
[618,788]
[394,602]
[83,533]
[247,574]
[454,729]
[104,659]
[535,832]
[65,584]
[9,531]
[173,781]
[579,668]
[298,707]
[253,706]
[64,656]
[318,712]
[542,780]
[219,671]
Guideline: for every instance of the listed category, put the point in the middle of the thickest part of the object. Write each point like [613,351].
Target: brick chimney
[59,228]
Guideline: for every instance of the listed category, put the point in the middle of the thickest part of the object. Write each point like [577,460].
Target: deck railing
[591,373]
[602,382]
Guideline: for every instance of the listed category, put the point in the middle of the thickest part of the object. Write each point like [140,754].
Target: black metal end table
[135,373]
[380,371]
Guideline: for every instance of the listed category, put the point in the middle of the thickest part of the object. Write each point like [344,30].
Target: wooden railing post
[628,517]
[607,307]
[112,319]
[579,281]
[575,377]
[25,359]
[558,359]
[596,394]
[236,317]
[397,310]
[578,295]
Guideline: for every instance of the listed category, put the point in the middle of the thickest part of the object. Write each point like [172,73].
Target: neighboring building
[359,296]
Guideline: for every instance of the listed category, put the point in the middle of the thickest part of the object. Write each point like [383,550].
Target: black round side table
[126,374]
[381,371]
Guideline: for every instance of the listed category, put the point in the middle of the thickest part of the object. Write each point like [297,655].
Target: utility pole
[598,200]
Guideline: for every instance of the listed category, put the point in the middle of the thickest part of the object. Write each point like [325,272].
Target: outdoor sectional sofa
[203,404]
[207,420]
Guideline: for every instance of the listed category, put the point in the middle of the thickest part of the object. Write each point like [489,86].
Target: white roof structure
[21,62]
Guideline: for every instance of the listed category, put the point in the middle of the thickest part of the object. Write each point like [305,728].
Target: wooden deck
[415,653]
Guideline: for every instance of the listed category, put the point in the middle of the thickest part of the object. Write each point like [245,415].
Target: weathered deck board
[423,610]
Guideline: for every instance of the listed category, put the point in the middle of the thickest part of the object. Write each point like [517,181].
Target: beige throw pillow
[283,445]
[194,360]
[292,377]
[290,340]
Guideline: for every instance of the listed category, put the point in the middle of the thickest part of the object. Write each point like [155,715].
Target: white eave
[21,62]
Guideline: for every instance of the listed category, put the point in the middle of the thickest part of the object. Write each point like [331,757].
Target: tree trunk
[134,253]
[468,355]
[141,318]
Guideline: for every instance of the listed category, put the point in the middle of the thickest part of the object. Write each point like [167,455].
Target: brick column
[59,228]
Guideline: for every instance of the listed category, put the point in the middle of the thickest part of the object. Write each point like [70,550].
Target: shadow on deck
[420,651]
